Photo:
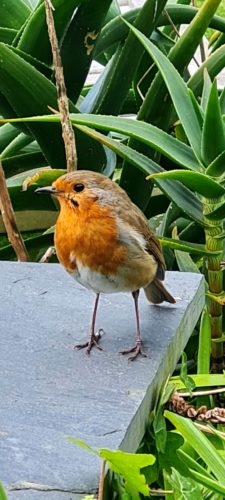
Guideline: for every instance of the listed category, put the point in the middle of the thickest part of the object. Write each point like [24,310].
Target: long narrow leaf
[201,380]
[29,92]
[185,246]
[200,444]
[144,132]
[200,183]
[213,64]
[13,13]
[81,36]
[185,262]
[115,30]
[213,127]
[178,91]
[34,38]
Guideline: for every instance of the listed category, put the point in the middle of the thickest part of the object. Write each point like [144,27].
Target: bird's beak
[48,190]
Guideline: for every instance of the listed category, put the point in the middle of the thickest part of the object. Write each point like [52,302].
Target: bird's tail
[157,293]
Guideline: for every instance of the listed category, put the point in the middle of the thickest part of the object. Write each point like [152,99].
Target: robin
[104,241]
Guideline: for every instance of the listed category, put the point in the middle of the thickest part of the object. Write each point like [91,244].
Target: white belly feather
[97,281]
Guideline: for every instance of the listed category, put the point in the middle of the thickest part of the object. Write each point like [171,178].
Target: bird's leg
[94,339]
[137,349]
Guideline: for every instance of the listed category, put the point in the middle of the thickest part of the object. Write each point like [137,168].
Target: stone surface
[49,390]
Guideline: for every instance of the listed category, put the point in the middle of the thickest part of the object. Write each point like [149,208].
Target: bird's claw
[137,350]
[93,342]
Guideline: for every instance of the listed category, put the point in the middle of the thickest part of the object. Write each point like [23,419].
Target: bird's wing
[133,217]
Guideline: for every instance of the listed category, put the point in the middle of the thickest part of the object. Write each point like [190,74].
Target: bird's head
[79,190]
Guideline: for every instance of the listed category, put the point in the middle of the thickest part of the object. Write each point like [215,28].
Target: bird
[104,241]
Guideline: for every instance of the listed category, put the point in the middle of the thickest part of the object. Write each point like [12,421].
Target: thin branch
[9,220]
[161,492]
[202,393]
[67,129]
[208,430]
[101,481]
[47,255]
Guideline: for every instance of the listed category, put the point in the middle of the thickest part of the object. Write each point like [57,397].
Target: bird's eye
[78,187]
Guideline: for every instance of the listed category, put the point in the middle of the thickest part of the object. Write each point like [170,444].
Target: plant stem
[215,281]
[9,220]
[67,129]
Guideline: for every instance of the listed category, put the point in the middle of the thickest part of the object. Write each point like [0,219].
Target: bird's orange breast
[90,237]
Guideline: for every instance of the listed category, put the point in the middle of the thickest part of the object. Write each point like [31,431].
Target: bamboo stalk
[9,220]
[67,129]
[215,281]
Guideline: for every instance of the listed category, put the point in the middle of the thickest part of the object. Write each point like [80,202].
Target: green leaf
[177,151]
[3,495]
[200,474]
[212,128]
[29,92]
[186,379]
[185,262]
[82,444]
[170,458]
[40,66]
[112,96]
[195,181]
[159,426]
[217,167]
[34,38]
[185,246]
[222,101]
[29,201]
[178,91]
[187,458]
[13,13]
[184,488]
[81,35]
[7,35]
[128,465]
[23,162]
[36,247]
[115,31]
[200,380]
[7,134]
[16,145]
[207,86]
[197,107]
[211,484]
[146,133]
[43,177]
[198,441]
[213,64]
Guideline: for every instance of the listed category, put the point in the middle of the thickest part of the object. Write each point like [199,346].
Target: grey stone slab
[31,494]
[49,390]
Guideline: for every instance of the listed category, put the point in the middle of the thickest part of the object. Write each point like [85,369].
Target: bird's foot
[137,350]
[92,342]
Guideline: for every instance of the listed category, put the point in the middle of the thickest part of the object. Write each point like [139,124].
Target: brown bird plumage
[104,241]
